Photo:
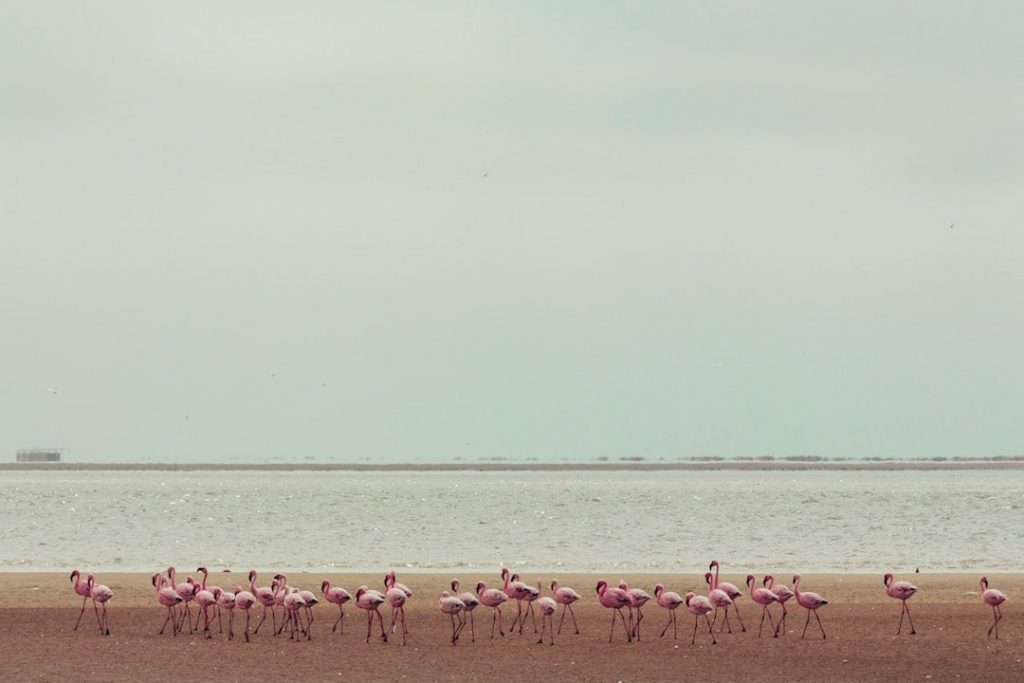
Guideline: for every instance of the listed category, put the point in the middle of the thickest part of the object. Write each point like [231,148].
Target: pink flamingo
[205,599]
[493,598]
[371,600]
[782,594]
[616,599]
[547,607]
[669,601]
[169,598]
[396,597]
[101,594]
[637,599]
[732,591]
[565,596]
[244,600]
[469,603]
[336,596]
[698,605]
[530,596]
[903,591]
[719,599]
[993,598]
[763,597]
[203,586]
[265,596]
[225,601]
[187,591]
[309,600]
[293,603]
[451,605]
[395,584]
[518,591]
[82,589]
[811,602]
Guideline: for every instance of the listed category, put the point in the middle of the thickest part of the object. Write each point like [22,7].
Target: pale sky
[429,231]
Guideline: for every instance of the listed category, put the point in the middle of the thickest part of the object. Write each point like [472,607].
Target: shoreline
[738,466]
[38,612]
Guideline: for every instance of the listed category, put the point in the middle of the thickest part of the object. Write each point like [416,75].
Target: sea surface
[666,521]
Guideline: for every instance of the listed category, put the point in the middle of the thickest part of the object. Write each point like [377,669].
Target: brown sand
[38,611]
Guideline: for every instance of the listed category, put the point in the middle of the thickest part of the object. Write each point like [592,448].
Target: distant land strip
[741,465]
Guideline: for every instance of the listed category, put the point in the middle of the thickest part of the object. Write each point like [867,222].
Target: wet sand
[38,611]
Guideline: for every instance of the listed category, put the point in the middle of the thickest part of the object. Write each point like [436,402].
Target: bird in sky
[55,392]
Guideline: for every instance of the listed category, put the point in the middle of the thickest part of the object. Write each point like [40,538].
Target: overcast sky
[434,230]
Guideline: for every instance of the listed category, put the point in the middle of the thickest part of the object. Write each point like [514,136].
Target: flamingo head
[751,580]
[707,578]
[658,590]
[689,596]
[455,585]
[202,570]
[796,578]
[984,583]
[504,571]
[767,578]
[90,581]
[360,591]
[153,579]
[217,592]
[480,586]
[887,579]
[601,585]
[252,574]
[554,584]
[714,563]
[75,574]
[515,577]
[324,585]
[623,585]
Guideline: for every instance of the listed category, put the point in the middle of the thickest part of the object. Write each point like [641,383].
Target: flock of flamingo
[296,606]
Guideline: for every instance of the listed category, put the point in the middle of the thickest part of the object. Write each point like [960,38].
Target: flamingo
[293,603]
[101,594]
[718,598]
[205,599]
[782,594]
[396,597]
[763,597]
[82,589]
[226,601]
[547,607]
[371,600]
[244,600]
[492,597]
[213,589]
[811,602]
[169,598]
[669,601]
[901,590]
[530,596]
[698,605]
[265,596]
[309,600]
[187,591]
[993,598]
[637,599]
[732,591]
[616,599]
[469,603]
[400,586]
[565,596]
[338,596]
[451,605]
[518,591]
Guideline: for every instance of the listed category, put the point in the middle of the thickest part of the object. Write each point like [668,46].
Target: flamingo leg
[675,634]
[96,609]
[533,617]
[472,627]
[247,625]
[231,624]
[693,640]
[639,618]
[913,631]
[337,621]
[573,613]
[80,614]
[808,622]
[819,625]
[629,636]
[170,615]
[711,631]
[106,625]
[743,627]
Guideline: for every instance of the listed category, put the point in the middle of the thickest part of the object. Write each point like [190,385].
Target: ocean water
[666,521]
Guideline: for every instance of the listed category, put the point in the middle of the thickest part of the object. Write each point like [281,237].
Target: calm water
[568,521]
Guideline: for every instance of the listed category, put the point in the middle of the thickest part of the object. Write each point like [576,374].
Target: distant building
[40,455]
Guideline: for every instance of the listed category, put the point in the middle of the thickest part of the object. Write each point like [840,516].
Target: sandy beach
[38,611]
